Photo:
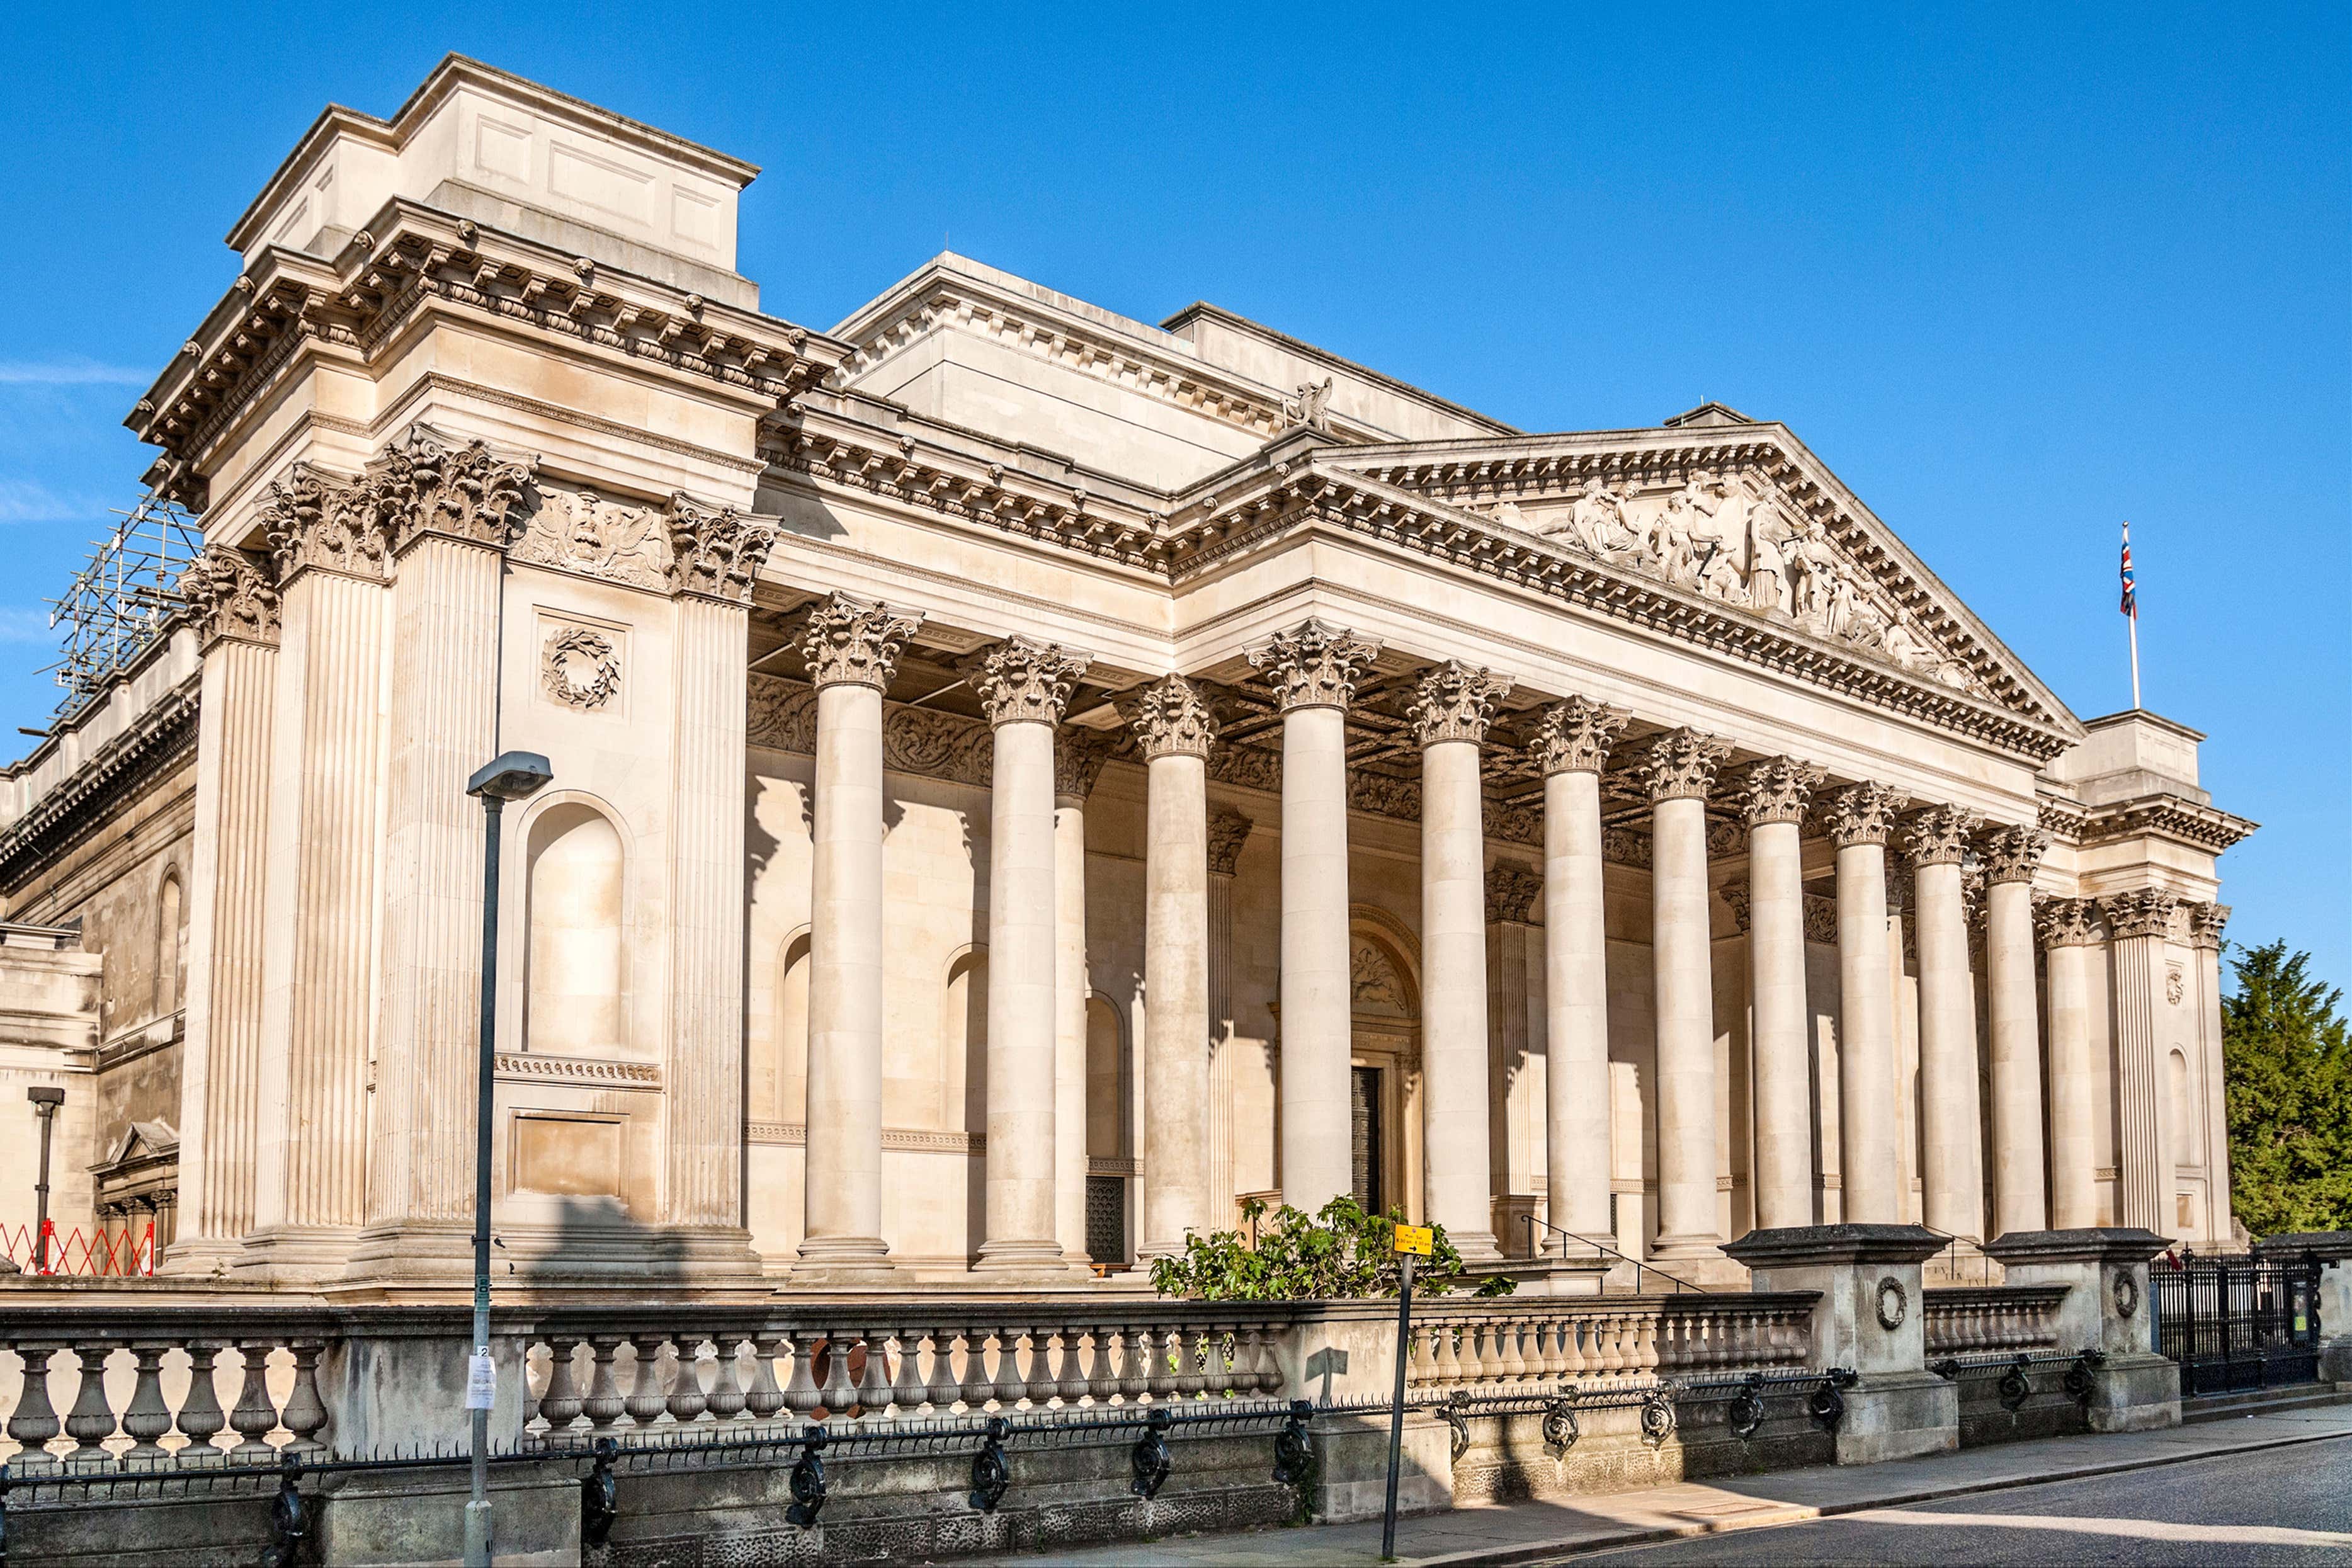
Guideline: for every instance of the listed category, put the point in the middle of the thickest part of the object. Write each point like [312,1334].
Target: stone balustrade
[1978,1319]
[1546,1340]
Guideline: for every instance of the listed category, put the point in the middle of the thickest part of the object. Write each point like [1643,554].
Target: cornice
[2168,816]
[81,802]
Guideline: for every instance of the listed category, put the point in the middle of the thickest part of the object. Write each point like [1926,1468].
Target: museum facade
[1028,783]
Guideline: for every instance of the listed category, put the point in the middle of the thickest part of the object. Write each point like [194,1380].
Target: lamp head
[510,776]
[46,1097]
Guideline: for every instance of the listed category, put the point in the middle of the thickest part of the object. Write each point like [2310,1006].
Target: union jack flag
[2131,595]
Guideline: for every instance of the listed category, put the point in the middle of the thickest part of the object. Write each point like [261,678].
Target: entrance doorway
[1367,1154]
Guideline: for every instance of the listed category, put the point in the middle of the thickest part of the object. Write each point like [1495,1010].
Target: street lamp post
[46,1100]
[511,775]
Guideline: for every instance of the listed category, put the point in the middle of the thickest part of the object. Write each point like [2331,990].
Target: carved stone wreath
[580,668]
[1894,1305]
[2126,1295]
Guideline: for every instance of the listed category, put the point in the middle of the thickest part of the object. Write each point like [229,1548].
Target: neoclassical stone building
[1027,781]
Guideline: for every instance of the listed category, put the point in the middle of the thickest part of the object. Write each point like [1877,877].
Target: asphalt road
[2286,1506]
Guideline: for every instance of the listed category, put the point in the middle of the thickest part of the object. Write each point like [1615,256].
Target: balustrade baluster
[647,1399]
[1072,1383]
[801,1392]
[1004,1365]
[201,1417]
[1645,1344]
[1163,1347]
[1447,1345]
[1134,1361]
[906,1389]
[603,1405]
[561,1402]
[34,1423]
[951,1359]
[305,1415]
[725,1401]
[1102,1369]
[1567,1358]
[840,1394]
[874,1388]
[255,1416]
[686,1402]
[765,1397]
[91,1420]
[1420,1358]
[147,1417]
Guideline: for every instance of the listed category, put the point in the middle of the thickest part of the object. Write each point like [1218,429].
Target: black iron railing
[2237,1323]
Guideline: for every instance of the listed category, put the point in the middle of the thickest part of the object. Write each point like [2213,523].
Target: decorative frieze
[2012,854]
[2147,911]
[850,641]
[1024,682]
[583,532]
[1228,831]
[1454,701]
[1079,759]
[1247,767]
[1574,736]
[229,593]
[1820,919]
[2067,922]
[1316,664]
[1940,835]
[425,484]
[579,668]
[1171,718]
[2205,924]
[319,521]
[1778,789]
[1512,890]
[601,1074]
[1680,764]
[782,715]
[1861,812]
[715,554]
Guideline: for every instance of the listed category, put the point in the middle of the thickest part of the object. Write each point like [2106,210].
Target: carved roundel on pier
[1893,1304]
[2126,1295]
[580,668]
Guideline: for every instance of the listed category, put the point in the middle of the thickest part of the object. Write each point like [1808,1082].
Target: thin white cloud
[25,625]
[28,500]
[71,373]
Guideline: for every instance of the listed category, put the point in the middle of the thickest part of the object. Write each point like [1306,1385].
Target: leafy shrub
[1343,1253]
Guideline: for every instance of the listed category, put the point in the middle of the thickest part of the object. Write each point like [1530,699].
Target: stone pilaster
[2012,856]
[1312,670]
[1078,758]
[1859,817]
[1774,798]
[2140,922]
[1174,730]
[1023,686]
[852,647]
[1950,1120]
[1571,746]
[2205,922]
[2070,934]
[1451,708]
[1229,830]
[1678,770]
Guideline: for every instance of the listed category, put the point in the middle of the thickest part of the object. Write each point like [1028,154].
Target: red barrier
[103,1252]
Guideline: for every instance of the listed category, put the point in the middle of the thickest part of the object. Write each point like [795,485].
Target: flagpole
[2134,623]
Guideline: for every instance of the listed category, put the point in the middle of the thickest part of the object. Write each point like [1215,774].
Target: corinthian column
[1174,730]
[1859,817]
[2205,925]
[1079,759]
[2011,857]
[1571,746]
[852,647]
[1678,770]
[2139,923]
[1228,831]
[1312,670]
[1450,707]
[1022,687]
[1774,798]
[2070,931]
[233,606]
[1954,1179]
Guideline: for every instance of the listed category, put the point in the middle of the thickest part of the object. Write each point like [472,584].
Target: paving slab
[1529,1532]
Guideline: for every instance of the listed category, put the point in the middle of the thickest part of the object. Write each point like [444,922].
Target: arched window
[778,1091]
[171,944]
[578,963]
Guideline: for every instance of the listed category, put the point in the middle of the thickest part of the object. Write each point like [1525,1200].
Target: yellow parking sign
[1419,1241]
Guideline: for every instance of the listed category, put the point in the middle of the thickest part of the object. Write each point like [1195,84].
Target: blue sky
[2016,274]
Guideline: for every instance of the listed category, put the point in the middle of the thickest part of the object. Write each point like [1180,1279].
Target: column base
[842,1263]
[296,1255]
[1024,1263]
[1475,1245]
[192,1259]
[1697,1261]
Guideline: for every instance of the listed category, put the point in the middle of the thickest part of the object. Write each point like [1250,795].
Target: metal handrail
[1949,1239]
[1533,1246]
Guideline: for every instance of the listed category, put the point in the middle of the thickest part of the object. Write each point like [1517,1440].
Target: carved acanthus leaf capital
[1454,701]
[1680,764]
[425,484]
[2147,911]
[318,521]
[1512,890]
[1574,736]
[1939,835]
[1024,682]
[1315,665]
[1079,759]
[2067,922]
[2013,853]
[229,593]
[2205,923]
[1778,789]
[850,641]
[1736,897]
[716,553]
[1228,831]
[1171,718]
[1862,814]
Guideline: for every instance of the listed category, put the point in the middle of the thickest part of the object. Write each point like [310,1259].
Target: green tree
[1340,1254]
[2288,1066]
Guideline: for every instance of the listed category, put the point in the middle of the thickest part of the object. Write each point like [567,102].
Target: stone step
[2262,1402]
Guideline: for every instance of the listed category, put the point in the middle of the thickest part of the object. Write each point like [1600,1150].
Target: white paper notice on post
[481,1382]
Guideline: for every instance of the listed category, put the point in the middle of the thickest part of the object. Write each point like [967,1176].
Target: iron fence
[2237,1323]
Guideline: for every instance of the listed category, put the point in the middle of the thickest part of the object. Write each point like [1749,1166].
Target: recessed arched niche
[577,997]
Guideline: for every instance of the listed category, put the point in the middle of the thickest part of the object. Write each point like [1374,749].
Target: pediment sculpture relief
[1730,537]
[1372,981]
[579,531]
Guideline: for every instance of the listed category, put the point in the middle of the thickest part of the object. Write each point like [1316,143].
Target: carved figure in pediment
[1814,573]
[1597,521]
[584,532]
[1312,406]
[1769,586]
[1373,983]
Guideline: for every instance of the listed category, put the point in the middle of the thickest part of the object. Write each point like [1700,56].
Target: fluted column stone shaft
[1077,763]
[1451,706]
[1775,798]
[1859,817]
[2140,922]
[1312,670]
[1023,686]
[2070,936]
[1679,770]
[2205,922]
[1571,746]
[1174,730]
[2012,855]
[1953,1182]
[852,648]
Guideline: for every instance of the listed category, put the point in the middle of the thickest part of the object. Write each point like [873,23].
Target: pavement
[1536,1532]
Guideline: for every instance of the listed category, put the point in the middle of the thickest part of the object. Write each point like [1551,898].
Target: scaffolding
[120,599]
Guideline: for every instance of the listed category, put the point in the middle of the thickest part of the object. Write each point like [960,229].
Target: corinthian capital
[1170,718]
[2013,853]
[1939,835]
[317,522]
[229,595]
[1315,665]
[1575,734]
[1024,682]
[1737,897]
[1861,812]
[2146,912]
[716,553]
[1228,831]
[1680,764]
[855,642]
[425,484]
[1079,759]
[1778,789]
[1512,890]
[1454,701]
[2205,923]
[2067,922]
